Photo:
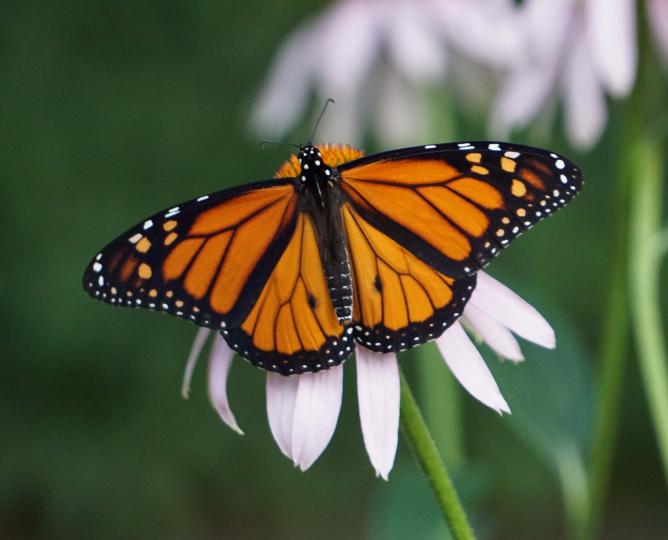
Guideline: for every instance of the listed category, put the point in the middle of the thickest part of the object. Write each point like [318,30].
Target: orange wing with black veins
[205,260]
[293,327]
[399,300]
[458,205]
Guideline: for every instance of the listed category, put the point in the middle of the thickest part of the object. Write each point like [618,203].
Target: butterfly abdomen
[334,253]
[340,286]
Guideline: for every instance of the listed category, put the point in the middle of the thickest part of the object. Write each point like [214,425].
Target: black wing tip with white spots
[161,302]
[566,180]
[101,277]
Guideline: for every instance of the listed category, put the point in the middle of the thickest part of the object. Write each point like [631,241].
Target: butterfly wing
[399,300]
[243,261]
[203,260]
[456,206]
[292,327]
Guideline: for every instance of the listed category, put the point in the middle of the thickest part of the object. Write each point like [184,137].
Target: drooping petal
[401,116]
[469,368]
[285,92]
[502,304]
[522,97]
[345,59]
[417,54]
[657,11]
[584,101]
[346,123]
[316,412]
[193,356]
[378,395]
[220,362]
[485,30]
[492,332]
[611,26]
[344,65]
[546,24]
[281,397]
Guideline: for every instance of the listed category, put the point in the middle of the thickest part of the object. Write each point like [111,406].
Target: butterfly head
[312,164]
[314,172]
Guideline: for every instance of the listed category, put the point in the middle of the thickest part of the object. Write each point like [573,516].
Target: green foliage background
[112,110]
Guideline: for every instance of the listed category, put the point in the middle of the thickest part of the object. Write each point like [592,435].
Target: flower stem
[613,354]
[417,435]
[645,259]
[439,392]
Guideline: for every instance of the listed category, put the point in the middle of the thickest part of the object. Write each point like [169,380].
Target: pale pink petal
[281,397]
[348,35]
[502,304]
[546,24]
[521,97]
[469,368]
[416,52]
[348,44]
[285,92]
[316,412]
[584,101]
[492,332]
[485,30]
[611,26]
[378,395]
[400,115]
[657,12]
[193,356]
[527,89]
[220,362]
[344,123]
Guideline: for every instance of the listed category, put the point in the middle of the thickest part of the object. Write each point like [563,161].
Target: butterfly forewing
[205,260]
[456,206]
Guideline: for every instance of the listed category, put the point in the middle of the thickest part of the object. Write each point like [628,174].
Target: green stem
[663,243]
[417,435]
[573,479]
[442,405]
[645,259]
[613,356]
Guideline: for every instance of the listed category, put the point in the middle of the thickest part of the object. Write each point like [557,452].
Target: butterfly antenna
[264,142]
[322,113]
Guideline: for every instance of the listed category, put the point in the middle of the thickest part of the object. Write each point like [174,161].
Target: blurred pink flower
[372,56]
[657,12]
[303,409]
[578,49]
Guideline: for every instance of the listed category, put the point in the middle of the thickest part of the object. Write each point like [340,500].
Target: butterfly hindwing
[293,327]
[205,260]
[400,301]
[456,206]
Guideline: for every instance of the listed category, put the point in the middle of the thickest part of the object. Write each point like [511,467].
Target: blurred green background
[113,110]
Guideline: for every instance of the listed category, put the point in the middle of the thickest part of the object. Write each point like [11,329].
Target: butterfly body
[322,200]
[338,248]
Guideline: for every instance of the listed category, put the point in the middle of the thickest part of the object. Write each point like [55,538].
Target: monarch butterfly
[337,248]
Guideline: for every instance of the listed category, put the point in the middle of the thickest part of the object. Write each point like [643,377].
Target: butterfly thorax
[316,176]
